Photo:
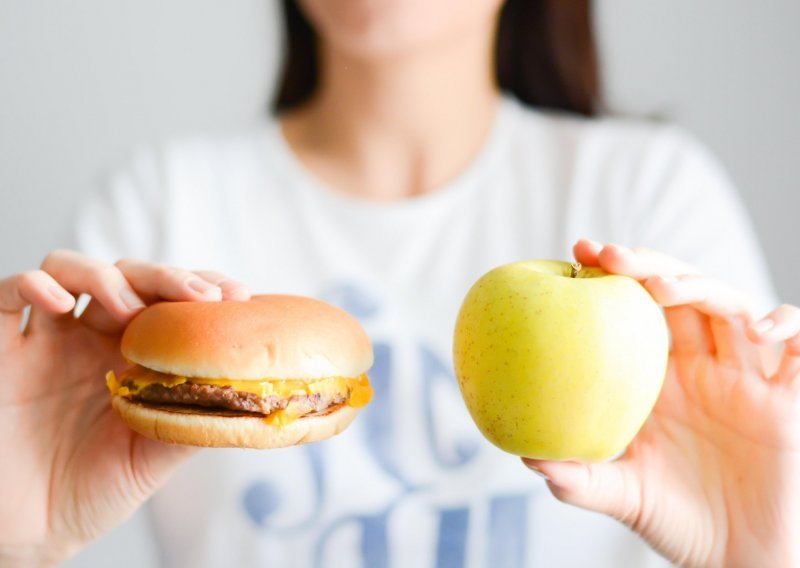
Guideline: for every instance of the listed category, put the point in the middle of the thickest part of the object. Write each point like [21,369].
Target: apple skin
[557,367]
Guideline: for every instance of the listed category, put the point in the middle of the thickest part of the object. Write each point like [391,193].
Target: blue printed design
[351,299]
[508,529]
[450,449]
[451,550]
[374,539]
[378,416]
[261,499]
[435,372]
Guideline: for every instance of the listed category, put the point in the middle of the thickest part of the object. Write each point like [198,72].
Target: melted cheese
[137,378]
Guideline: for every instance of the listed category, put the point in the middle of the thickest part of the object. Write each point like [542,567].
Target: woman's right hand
[71,469]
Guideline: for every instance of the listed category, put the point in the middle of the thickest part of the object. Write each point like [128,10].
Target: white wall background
[83,81]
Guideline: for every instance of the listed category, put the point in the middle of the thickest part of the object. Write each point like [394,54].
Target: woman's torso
[411,482]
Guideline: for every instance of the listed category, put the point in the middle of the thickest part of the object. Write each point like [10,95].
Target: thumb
[607,487]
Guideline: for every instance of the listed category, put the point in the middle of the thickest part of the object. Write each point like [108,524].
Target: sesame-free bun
[268,337]
[215,428]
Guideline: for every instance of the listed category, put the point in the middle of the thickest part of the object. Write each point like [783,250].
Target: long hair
[545,56]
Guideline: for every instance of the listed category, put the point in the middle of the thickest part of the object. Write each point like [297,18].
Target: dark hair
[545,56]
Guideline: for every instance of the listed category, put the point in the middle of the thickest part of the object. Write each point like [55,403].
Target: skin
[405,103]
[77,470]
[406,97]
[711,479]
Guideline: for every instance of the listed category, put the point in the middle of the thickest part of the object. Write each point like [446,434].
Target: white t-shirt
[411,482]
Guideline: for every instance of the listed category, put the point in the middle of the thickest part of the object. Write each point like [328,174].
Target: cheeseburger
[271,372]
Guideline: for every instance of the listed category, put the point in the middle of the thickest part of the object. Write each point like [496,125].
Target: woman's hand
[71,469]
[713,478]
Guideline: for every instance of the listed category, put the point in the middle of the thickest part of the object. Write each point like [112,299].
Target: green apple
[559,362]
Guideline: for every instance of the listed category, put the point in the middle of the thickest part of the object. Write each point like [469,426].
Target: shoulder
[202,155]
[602,142]
[152,195]
[617,160]
[193,167]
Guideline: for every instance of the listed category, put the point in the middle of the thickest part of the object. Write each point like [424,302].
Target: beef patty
[228,397]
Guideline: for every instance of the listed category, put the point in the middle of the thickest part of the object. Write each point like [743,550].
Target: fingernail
[763,326]
[60,294]
[593,245]
[201,286]
[540,474]
[130,299]
[229,285]
[536,470]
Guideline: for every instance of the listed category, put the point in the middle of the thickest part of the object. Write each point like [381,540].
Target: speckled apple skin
[555,367]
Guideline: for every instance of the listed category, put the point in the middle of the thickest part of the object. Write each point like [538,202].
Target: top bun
[268,337]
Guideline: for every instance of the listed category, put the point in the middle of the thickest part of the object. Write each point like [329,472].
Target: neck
[393,128]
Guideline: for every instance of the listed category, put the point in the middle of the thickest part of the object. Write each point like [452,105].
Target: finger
[152,282]
[707,295]
[690,331]
[789,369]
[726,309]
[35,288]
[781,325]
[106,285]
[640,263]
[586,251]
[159,281]
[602,487]
[734,349]
[231,289]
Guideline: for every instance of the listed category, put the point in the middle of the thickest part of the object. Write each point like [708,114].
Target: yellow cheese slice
[137,378]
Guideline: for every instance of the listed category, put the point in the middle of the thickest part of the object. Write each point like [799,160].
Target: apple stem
[576,268]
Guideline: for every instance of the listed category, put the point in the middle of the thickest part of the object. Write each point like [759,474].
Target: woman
[399,168]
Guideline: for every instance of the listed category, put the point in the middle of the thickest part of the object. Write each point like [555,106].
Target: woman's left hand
[713,477]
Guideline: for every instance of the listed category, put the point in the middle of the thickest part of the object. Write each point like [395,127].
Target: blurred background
[85,81]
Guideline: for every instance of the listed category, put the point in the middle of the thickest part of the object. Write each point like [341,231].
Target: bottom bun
[216,428]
